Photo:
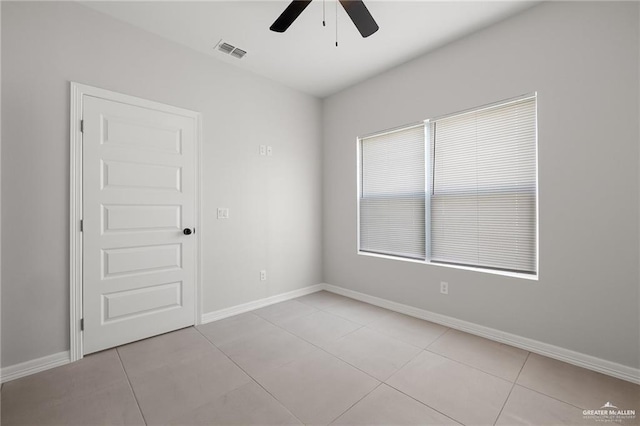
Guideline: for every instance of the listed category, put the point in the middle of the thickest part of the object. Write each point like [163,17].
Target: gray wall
[582,59]
[274,202]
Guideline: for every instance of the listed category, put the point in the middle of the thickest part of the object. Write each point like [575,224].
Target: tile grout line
[275,325]
[248,375]
[504,404]
[539,392]
[341,337]
[550,396]
[420,402]
[135,397]
[385,381]
[319,347]
[458,362]
[357,368]
[254,312]
[391,312]
[404,365]
[363,326]
[319,308]
[448,329]
[473,366]
[421,350]
[347,319]
[352,405]
[468,365]
[367,326]
[437,338]
[223,353]
[398,390]
[382,382]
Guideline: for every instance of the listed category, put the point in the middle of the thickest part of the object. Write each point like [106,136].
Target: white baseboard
[27,368]
[572,357]
[33,366]
[260,303]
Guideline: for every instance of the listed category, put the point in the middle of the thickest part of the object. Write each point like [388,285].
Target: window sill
[529,277]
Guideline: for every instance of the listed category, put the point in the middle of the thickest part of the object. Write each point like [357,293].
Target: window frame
[429,187]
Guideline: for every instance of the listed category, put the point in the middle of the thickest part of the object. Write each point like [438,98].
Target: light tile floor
[318,359]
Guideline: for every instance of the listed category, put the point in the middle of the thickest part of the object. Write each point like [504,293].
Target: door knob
[187,231]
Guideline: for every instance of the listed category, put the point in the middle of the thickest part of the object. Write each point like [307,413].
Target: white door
[138,205]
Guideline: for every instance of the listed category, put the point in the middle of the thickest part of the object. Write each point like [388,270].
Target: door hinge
[81,225]
[81,126]
[82,324]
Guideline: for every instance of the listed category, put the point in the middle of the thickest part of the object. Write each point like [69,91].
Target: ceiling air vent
[238,53]
[225,47]
[231,49]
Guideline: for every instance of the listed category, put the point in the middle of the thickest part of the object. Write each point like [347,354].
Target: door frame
[78,91]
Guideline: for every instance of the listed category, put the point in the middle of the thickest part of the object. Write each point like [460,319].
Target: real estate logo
[609,413]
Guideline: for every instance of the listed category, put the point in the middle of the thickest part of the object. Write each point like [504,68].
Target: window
[455,190]
[392,199]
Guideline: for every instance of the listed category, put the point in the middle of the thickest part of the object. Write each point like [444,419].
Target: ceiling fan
[356,10]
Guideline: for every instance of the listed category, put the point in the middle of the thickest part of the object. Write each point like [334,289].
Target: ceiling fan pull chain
[324,7]
[336,23]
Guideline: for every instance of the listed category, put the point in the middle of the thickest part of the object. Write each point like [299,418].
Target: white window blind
[483,194]
[392,193]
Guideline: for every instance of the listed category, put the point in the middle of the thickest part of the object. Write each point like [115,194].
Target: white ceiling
[305,56]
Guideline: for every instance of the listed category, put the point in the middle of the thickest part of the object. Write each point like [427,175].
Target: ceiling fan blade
[360,16]
[289,15]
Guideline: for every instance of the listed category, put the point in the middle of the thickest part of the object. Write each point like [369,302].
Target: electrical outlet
[269,151]
[263,150]
[223,213]
[263,275]
[444,287]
